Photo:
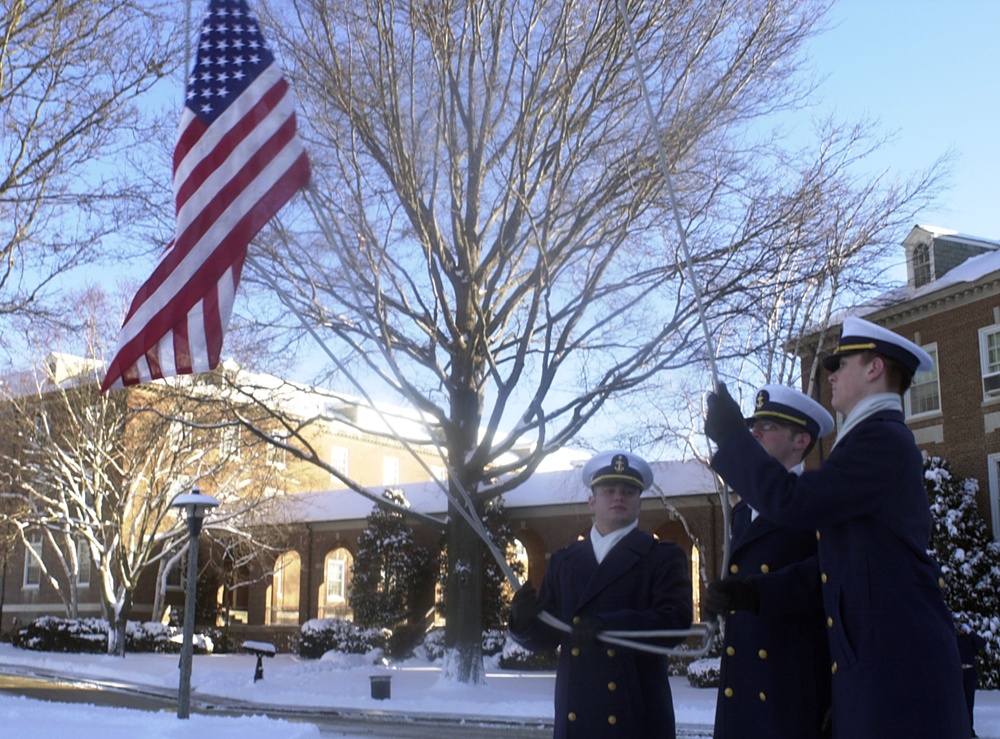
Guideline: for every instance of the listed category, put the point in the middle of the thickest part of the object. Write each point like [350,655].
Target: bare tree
[71,75]
[495,243]
[840,231]
[97,473]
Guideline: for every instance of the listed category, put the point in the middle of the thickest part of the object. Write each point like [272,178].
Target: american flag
[237,161]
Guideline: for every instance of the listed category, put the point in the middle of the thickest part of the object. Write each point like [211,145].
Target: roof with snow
[548,488]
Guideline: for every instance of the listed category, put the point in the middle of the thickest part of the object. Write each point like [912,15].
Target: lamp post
[195,505]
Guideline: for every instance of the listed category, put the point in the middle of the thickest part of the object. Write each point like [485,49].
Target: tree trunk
[464,629]
[117,621]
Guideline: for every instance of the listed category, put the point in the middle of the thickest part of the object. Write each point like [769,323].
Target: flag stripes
[231,175]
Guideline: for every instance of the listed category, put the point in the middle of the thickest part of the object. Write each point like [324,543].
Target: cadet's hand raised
[724,415]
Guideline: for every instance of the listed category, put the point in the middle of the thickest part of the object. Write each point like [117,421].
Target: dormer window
[921,261]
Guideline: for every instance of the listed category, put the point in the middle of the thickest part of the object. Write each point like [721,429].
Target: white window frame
[336,574]
[991,377]
[31,565]
[339,460]
[277,457]
[925,378]
[921,261]
[390,471]
[993,464]
[230,445]
[84,561]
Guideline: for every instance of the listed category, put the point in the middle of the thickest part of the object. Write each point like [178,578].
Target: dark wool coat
[605,691]
[892,642]
[775,667]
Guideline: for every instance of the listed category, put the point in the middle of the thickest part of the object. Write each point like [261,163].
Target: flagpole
[688,262]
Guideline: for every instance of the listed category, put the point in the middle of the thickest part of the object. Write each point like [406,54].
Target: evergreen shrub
[321,635]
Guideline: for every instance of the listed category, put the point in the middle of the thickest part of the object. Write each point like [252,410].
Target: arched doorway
[283,592]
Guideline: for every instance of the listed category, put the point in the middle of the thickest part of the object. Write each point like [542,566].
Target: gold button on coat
[575,651]
[728,692]
[762,697]
[611,652]
[571,716]
[612,720]
[833,668]
[612,686]
[762,654]
[576,619]
[734,568]
[765,569]
[817,535]
[823,578]
[730,651]
[829,622]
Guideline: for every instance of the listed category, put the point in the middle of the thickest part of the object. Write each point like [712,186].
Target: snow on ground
[337,681]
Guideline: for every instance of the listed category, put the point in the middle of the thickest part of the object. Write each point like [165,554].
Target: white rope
[689,264]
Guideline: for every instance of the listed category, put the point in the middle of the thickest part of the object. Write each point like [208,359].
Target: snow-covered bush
[90,636]
[321,635]
[516,657]
[51,634]
[432,647]
[704,673]
[969,559]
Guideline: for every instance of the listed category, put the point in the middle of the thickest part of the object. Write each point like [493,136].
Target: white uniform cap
[858,335]
[618,466]
[793,408]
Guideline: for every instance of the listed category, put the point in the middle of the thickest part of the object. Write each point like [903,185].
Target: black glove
[585,630]
[729,594]
[724,415]
[524,606]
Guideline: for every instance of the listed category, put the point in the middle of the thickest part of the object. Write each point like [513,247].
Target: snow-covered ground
[333,682]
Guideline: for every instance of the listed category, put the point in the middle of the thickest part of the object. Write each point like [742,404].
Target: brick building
[951,307]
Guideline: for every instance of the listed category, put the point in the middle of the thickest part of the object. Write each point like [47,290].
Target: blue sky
[928,71]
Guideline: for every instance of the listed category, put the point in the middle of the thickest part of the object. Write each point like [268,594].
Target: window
[276,456]
[336,576]
[390,471]
[338,460]
[32,568]
[989,360]
[180,431]
[921,261]
[283,594]
[230,444]
[993,460]
[924,395]
[84,561]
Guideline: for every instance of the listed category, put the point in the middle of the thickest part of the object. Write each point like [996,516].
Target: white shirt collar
[603,544]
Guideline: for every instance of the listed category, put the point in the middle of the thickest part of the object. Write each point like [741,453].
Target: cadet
[895,663]
[618,578]
[775,678]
